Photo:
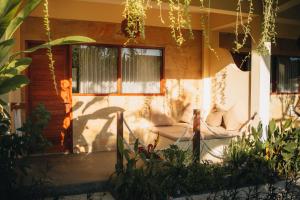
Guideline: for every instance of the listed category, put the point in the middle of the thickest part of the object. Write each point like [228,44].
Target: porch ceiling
[215,6]
[111,11]
[221,18]
[289,12]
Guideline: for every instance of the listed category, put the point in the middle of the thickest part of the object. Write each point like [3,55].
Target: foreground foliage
[280,150]
[249,162]
[16,147]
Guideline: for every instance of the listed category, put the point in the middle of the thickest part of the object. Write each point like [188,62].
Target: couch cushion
[174,132]
[214,118]
[161,119]
[161,113]
[187,114]
[231,121]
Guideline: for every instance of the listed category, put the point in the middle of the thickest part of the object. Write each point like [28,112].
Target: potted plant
[130,30]
[134,19]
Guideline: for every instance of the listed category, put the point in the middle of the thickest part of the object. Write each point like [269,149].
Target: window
[141,70]
[98,70]
[94,69]
[285,76]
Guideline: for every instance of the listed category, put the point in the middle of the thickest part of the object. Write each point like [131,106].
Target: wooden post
[197,136]
[120,145]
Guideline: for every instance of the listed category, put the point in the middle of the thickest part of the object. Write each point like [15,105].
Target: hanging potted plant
[134,15]
[130,30]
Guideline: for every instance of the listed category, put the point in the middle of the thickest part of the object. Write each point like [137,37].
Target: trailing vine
[270,9]
[201,3]
[205,30]
[204,22]
[49,49]
[245,27]
[159,3]
[179,19]
[135,15]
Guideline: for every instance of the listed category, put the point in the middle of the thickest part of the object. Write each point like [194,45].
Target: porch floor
[92,196]
[75,168]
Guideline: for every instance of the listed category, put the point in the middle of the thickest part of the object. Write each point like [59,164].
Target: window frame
[119,70]
[274,86]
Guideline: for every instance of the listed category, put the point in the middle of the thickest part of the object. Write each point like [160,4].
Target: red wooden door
[41,90]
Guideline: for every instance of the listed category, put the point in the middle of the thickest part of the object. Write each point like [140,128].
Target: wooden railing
[197,135]
[120,137]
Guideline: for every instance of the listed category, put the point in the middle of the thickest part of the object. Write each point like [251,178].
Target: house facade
[151,75]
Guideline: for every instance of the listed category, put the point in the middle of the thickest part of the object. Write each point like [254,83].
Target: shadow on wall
[94,122]
[87,130]
[180,98]
[94,125]
[230,86]
[284,106]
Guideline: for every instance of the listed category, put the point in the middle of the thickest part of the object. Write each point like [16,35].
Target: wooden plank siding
[41,91]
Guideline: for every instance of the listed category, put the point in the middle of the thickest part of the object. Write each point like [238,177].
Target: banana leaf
[61,41]
[14,24]
[13,83]
[5,48]
[8,10]
[15,67]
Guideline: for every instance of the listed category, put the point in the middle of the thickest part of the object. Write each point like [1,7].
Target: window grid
[275,73]
[119,72]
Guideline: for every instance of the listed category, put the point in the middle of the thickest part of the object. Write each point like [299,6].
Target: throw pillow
[231,121]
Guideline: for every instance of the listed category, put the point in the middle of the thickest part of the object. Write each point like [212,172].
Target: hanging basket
[126,33]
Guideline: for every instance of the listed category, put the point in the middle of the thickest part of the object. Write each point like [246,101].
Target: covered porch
[192,76]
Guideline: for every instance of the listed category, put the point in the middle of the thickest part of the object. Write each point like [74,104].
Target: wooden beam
[279,20]
[232,24]
[294,22]
[288,5]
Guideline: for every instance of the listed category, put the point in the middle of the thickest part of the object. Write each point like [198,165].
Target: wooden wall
[94,116]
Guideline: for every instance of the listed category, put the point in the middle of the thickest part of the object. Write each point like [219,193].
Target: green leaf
[15,67]
[3,103]
[272,126]
[8,10]
[126,154]
[5,47]
[62,41]
[7,5]
[287,124]
[143,156]
[13,83]
[136,145]
[290,147]
[287,156]
[21,16]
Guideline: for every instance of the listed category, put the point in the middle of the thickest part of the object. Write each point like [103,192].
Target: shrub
[279,152]
[249,162]
[15,148]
